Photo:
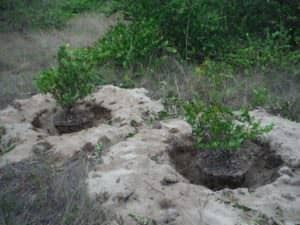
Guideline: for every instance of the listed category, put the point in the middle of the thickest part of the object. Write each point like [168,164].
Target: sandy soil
[134,176]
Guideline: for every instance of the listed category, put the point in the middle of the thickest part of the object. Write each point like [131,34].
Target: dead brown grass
[175,81]
[36,192]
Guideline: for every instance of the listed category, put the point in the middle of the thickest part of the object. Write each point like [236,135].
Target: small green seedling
[141,220]
[98,151]
[6,147]
[131,134]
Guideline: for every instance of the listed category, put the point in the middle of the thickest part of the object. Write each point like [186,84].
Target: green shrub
[273,50]
[218,128]
[72,80]
[191,26]
[201,28]
[126,45]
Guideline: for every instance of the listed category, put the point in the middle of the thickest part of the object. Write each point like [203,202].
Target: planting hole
[80,117]
[252,166]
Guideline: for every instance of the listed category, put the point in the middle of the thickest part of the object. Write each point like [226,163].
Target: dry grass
[24,54]
[277,90]
[35,192]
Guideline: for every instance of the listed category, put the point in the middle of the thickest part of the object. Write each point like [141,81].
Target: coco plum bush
[216,127]
[72,80]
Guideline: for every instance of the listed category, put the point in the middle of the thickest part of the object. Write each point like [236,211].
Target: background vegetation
[218,51]
[227,50]
[200,56]
[225,42]
[222,53]
[201,28]
[33,14]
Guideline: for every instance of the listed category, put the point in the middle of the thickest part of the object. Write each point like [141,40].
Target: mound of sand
[136,176]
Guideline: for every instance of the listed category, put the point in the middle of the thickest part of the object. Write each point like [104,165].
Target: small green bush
[72,80]
[218,128]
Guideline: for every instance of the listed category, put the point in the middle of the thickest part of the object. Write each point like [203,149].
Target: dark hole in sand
[79,118]
[252,166]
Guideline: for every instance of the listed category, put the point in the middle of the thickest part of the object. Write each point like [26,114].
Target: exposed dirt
[58,121]
[134,174]
[112,112]
[24,54]
[252,166]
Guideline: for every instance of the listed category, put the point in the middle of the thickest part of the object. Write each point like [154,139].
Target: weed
[6,146]
[142,220]
[98,151]
[127,82]
[130,135]
[259,97]
[286,108]
[258,217]
[172,106]
[242,207]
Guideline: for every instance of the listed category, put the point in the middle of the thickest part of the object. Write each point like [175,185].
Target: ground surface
[134,175]
[24,54]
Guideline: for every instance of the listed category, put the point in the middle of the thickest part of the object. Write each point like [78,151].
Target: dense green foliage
[201,28]
[223,38]
[22,14]
[242,34]
[72,80]
[124,45]
[217,128]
